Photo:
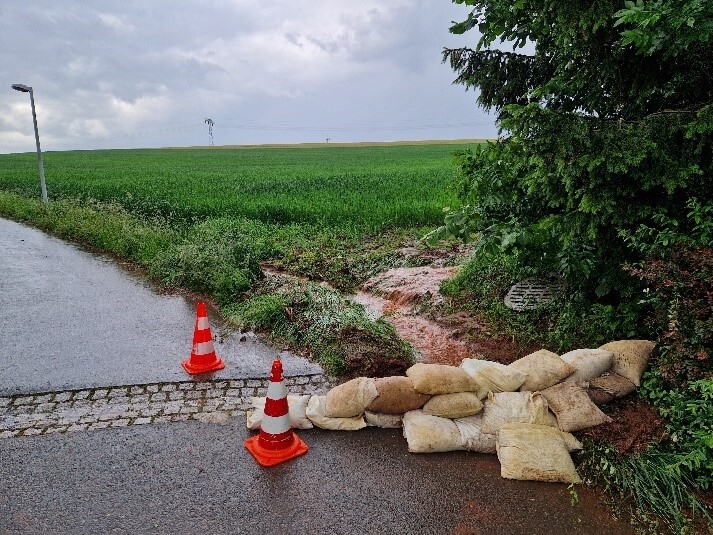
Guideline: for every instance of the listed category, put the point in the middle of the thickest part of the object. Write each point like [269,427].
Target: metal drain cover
[530,294]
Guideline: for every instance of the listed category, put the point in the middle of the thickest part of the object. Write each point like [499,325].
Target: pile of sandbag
[524,412]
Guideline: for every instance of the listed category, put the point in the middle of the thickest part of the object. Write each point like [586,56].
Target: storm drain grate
[530,294]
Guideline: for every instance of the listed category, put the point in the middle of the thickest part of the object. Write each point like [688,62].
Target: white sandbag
[297,409]
[506,407]
[377,419]
[440,379]
[455,405]
[534,453]
[396,396]
[471,432]
[543,369]
[588,363]
[573,407]
[631,357]
[430,434]
[315,412]
[493,376]
[351,398]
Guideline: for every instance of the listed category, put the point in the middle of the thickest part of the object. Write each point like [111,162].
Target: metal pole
[39,151]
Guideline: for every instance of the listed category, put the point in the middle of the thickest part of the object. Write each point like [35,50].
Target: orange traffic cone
[203,358]
[276,442]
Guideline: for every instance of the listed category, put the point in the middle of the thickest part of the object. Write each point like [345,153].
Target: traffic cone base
[270,457]
[193,369]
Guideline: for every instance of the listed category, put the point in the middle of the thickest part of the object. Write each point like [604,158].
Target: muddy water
[405,286]
[396,293]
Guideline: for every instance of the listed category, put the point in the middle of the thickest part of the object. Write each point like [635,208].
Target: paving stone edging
[99,408]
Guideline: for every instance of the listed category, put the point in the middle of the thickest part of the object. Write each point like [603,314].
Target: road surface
[82,455]
[72,319]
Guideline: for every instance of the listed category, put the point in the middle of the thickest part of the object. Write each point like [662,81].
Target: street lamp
[27,89]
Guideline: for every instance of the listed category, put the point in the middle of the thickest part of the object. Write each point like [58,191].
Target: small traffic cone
[203,358]
[276,442]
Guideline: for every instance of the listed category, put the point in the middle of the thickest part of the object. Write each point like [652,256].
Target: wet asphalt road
[72,319]
[81,321]
[196,477]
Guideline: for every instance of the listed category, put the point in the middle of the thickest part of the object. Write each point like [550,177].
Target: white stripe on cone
[203,348]
[202,323]
[275,425]
[276,391]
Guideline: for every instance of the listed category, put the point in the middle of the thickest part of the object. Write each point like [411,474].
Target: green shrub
[569,321]
[688,413]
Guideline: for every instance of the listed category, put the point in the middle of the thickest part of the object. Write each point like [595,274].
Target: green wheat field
[371,187]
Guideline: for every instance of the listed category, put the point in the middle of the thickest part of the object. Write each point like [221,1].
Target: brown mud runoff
[398,295]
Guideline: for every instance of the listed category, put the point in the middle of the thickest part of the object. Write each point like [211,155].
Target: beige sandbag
[351,398]
[506,407]
[572,406]
[534,453]
[471,432]
[571,442]
[609,386]
[493,376]
[315,412]
[588,363]
[543,369]
[455,405]
[550,419]
[630,357]
[440,379]
[600,397]
[396,396]
[377,419]
[297,409]
[430,434]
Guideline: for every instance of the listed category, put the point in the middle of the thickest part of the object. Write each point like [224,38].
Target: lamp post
[27,89]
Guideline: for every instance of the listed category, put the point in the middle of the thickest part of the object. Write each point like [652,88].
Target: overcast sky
[148,73]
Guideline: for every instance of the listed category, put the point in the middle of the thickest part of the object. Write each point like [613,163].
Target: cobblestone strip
[100,408]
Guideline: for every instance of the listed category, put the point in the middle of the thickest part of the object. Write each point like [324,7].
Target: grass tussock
[322,323]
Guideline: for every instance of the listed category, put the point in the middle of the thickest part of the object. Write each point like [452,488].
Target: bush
[680,293]
[689,422]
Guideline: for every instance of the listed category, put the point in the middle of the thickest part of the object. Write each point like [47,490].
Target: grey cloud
[102,66]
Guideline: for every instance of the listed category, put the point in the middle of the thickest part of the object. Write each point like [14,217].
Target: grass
[206,219]
[660,494]
[370,188]
[328,326]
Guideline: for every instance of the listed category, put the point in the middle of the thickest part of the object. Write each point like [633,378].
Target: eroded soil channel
[401,295]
